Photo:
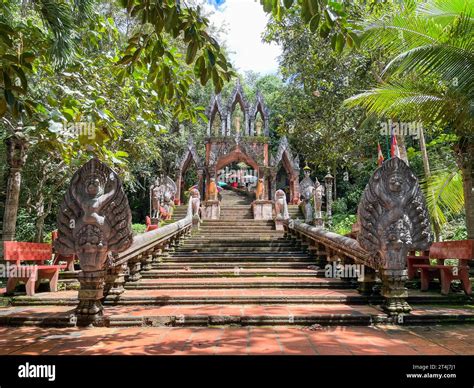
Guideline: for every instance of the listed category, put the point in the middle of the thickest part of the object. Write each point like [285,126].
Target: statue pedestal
[211,210]
[262,210]
[394,291]
[279,223]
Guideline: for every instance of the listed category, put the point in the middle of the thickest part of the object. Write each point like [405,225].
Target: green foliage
[444,196]
[429,76]
[322,17]
[454,230]
[342,223]
[138,228]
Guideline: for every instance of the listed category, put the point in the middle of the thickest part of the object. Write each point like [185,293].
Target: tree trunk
[466,158]
[16,156]
[424,154]
[427,170]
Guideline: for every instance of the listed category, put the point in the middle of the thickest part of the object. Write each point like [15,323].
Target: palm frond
[448,63]
[397,100]
[444,195]
[57,17]
[444,8]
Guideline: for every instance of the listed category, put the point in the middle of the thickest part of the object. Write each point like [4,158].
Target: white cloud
[245,22]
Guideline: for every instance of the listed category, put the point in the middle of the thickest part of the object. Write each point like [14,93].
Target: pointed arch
[182,165]
[259,107]
[291,165]
[238,97]
[215,108]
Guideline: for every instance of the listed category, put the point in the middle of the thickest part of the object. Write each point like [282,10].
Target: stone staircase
[237,271]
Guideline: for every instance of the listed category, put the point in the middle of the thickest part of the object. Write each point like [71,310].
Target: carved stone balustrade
[393,220]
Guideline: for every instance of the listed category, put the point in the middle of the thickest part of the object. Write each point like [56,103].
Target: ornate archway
[291,165]
[189,155]
[249,144]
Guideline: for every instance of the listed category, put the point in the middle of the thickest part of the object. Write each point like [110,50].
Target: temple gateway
[238,131]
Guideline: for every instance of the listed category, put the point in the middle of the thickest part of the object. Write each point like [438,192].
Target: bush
[138,229]
[339,206]
[342,223]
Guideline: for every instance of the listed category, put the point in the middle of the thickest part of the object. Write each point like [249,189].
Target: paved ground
[339,340]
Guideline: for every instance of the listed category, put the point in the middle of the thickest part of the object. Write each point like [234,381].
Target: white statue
[318,194]
[281,207]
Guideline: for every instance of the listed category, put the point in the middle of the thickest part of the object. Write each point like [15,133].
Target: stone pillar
[211,210]
[262,210]
[147,260]
[134,268]
[329,179]
[91,292]
[394,290]
[367,282]
[115,280]
[273,189]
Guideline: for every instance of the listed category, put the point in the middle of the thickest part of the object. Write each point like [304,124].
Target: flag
[380,157]
[394,151]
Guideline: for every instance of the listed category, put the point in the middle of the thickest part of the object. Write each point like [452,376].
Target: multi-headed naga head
[393,215]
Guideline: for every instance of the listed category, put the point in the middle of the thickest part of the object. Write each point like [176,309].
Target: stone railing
[336,246]
[146,248]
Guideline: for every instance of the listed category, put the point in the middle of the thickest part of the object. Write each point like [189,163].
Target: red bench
[38,253]
[462,250]
[412,259]
[58,258]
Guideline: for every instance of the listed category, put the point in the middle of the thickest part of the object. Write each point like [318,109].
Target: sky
[245,22]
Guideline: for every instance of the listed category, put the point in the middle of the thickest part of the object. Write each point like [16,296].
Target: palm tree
[430,76]
[443,191]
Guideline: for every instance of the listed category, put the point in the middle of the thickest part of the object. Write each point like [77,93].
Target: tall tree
[430,76]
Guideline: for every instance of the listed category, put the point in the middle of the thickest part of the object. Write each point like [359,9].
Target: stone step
[204,296]
[284,296]
[236,272]
[235,315]
[238,282]
[230,239]
[235,243]
[219,233]
[243,222]
[201,315]
[236,229]
[231,265]
[248,249]
[240,257]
